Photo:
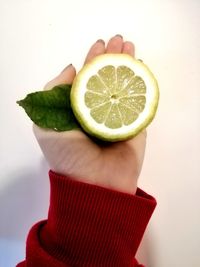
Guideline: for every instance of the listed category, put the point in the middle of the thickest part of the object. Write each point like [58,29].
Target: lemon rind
[88,125]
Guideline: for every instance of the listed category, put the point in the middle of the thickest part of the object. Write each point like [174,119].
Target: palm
[115,165]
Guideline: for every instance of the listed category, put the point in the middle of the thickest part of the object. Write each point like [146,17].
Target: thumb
[65,77]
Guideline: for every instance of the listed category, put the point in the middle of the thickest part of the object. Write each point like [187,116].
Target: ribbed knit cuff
[89,226]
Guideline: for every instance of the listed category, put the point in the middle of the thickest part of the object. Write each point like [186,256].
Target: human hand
[115,166]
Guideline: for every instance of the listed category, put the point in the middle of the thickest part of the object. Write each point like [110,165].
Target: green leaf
[51,109]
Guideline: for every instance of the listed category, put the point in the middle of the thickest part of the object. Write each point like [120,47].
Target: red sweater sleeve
[88,226]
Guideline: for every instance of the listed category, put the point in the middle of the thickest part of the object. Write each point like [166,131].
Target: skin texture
[115,166]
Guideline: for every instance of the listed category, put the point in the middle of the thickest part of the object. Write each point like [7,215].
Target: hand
[115,166]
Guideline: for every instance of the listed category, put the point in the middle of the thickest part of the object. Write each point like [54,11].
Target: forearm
[89,225]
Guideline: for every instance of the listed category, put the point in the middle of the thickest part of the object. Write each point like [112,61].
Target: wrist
[122,183]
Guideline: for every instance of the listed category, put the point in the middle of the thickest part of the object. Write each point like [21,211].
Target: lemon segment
[100,113]
[114,97]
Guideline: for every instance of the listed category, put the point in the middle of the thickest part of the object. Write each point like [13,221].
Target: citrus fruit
[114,97]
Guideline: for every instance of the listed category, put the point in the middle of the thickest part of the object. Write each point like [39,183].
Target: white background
[38,38]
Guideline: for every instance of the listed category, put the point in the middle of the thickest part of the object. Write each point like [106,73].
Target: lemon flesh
[114,97]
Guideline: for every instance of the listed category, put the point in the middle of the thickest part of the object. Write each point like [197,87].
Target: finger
[115,44]
[96,49]
[138,143]
[139,139]
[128,48]
[65,77]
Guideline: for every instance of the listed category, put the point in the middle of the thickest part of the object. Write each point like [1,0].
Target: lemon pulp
[115,96]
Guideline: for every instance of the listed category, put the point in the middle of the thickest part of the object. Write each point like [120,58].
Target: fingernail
[100,41]
[66,68]
[119,35]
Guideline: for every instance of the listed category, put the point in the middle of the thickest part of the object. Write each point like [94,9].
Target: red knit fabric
[88,226]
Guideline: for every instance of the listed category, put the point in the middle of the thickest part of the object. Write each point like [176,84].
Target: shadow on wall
[25,202]
[22,203]
[146,253]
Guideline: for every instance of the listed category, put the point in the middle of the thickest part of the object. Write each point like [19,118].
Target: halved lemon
[114,97]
